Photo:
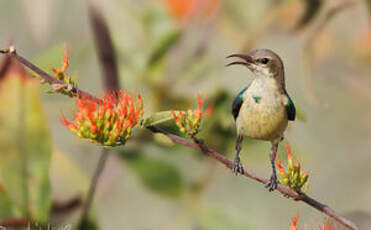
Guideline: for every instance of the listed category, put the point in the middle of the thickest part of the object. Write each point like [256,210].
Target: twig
[11,51]
[198,144]
[14,223]
[297,196]
[65,207]
[94,182]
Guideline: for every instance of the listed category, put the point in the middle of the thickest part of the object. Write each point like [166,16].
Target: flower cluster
[294,178]
[326,225]
[108,120]
[189,122]
[61,75]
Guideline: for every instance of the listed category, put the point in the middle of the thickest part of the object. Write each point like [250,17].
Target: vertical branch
[108,63]
[93,185]
[105,49]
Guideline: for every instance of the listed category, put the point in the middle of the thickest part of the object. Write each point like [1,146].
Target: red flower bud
[175,116]
[113,115]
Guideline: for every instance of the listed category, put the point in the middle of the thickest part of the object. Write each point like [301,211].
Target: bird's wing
[237,103]
[290,108]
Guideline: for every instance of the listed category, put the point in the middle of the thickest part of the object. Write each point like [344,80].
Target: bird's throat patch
[257,99]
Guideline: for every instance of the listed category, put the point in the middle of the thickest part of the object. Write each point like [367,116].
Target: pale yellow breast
[265,119]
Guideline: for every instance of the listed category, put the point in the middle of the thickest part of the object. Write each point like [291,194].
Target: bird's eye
[264,60]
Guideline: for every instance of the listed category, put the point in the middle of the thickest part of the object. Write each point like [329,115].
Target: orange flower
[198,111]
[294,177]
[326,225]
[280,168]
[189,122]
[209,109]
[108,120]
[60,74]
[294,223]
[288,150]
[181,10]
[175,116]
[65,62]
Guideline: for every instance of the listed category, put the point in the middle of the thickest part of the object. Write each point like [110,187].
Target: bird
[262,109]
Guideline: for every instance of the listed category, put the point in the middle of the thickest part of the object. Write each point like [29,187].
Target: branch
[11,51]
[198,144]
[14,223]
[104,47]
[297,196]
[65,207]
[94,182]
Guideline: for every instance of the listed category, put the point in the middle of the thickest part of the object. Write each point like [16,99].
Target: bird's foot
[237,166]
[272,184]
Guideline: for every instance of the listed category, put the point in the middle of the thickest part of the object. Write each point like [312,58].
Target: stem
[14,223]
[93,185]
[104,47]
[11,51]
[295,195]
[65,207]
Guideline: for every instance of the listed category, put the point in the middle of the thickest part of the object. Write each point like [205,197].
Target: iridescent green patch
[257,99]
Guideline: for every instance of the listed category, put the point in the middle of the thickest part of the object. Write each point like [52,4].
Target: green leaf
[6,205]
[26,147]
[156,175]
[157,118]
[162,48]
[162,139]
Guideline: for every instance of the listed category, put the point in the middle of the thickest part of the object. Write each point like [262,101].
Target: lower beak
[247,60]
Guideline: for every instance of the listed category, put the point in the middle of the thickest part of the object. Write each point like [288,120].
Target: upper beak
[248,61]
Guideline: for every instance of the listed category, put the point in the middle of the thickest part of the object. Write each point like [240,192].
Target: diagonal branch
[11,51]
[198,144]
[297,196]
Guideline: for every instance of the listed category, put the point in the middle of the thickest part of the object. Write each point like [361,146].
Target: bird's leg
[272,184]
[237,166]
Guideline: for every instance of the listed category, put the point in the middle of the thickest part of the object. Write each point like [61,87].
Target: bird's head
[263,63]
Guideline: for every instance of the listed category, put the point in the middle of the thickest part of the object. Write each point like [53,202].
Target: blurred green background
[169,50]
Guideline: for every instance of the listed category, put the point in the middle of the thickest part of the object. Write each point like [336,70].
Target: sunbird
[263,108]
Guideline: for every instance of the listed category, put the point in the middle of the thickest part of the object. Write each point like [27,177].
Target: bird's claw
[272,184]
[237,166]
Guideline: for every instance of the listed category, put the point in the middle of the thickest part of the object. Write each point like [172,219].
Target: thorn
[69,87]
[57,87]
[12,49]
[4,51]
[42,80]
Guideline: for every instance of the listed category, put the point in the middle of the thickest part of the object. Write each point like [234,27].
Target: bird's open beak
[248,61]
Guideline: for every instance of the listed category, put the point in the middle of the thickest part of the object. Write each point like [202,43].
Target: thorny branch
[198,144]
